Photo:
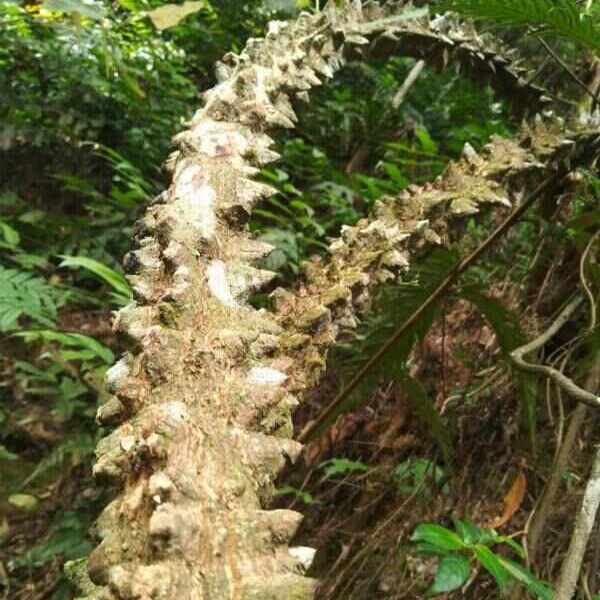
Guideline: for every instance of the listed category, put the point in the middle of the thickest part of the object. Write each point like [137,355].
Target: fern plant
[23,294]
[560,18]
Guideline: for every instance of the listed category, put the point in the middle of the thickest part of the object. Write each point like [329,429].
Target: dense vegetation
[91,93]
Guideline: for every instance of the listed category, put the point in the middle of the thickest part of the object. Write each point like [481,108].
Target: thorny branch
[316,426]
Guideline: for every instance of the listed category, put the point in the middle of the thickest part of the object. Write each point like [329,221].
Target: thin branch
[568,70]
[567,384]
[315,427]
[585,284]
[408,83]
[359,157]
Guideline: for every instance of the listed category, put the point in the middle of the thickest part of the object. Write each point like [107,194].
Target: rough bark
[203,400]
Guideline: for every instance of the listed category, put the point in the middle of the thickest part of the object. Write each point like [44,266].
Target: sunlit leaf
[342,466]
[112,277]
[7,454]
[169,15]
[24,502]
[492,564]
[86,8]
[437,536]
[11,236]
[524,576]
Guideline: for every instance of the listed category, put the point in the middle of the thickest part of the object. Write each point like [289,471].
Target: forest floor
[367,483]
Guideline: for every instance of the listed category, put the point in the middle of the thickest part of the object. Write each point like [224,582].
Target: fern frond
[561,18]
[394,305]
[25,294]
[73,451]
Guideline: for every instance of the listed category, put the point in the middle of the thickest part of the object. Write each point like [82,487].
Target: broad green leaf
[131,5]
[524,576]
[11,236]
[33,216]
[24,502]
[428,549]
[469,532]
[492,564]
[7,454]
[438,536]
[413,473]
[472,534]
[452,572]
[112,277]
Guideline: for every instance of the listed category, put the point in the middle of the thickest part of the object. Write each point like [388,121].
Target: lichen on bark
[202,400]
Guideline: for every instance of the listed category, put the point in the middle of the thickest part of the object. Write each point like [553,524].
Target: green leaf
[112,277]
[131,5]
[524,576]
[341,466]
[510,542]
[452,572]
[24,294]
[427,143]
[437,536]
[492,564]
[24,502]
[504,322]
[299,494]
[86,8]
[424,409]
[469,532]
[76,340]
[562,18]
[472,534]
[427,549]
[412,474]
[11,236]
[7,454]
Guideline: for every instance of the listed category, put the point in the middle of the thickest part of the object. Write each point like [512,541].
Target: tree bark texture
[202,401]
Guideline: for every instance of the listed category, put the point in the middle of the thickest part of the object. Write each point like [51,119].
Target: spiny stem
[315,427]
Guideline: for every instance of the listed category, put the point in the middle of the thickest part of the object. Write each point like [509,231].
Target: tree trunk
[203,399]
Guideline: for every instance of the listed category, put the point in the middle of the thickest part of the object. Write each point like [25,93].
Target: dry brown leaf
[512,500]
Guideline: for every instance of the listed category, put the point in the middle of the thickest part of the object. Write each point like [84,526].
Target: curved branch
[568,385]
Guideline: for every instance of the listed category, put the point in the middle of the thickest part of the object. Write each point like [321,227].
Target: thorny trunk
[204,397]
